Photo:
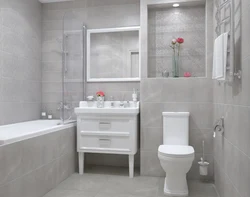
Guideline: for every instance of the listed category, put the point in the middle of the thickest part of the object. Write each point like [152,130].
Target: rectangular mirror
[113,54]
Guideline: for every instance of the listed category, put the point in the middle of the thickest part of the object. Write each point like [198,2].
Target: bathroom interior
[124,98]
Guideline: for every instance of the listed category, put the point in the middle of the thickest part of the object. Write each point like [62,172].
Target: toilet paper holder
[219,125]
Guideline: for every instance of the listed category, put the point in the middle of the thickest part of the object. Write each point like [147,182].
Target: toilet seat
[176,151]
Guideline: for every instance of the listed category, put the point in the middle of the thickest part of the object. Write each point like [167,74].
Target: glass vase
[176,65]
[100,102]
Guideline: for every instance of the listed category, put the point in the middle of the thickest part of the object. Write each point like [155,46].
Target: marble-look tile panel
[20,60]
[35,166]
[166,24]
[231,150]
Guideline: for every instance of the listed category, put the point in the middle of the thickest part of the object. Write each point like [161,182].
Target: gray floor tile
[198,189]
[103,185]
[139,186]
[85,182]
[115,195]
[69,193]
[94,169]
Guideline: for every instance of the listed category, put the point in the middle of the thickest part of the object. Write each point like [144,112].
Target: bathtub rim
[40,132]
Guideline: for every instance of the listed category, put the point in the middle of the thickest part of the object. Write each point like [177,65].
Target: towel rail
[221,21]
[224,4]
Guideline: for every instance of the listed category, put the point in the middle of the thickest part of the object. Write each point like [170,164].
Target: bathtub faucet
[66,106]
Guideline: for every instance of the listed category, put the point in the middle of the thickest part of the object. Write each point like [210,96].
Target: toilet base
[176,186]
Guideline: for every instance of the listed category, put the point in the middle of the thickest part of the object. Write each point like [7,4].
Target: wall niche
[166,23]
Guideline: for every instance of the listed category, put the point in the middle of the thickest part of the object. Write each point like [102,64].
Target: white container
[134,96]
[90,103]
[44,115]
[50,117]
[203,168]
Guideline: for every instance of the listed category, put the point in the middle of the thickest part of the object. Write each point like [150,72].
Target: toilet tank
[175,128]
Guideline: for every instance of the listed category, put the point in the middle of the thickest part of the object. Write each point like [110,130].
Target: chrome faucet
[66,106]
[127,104]
[121,104]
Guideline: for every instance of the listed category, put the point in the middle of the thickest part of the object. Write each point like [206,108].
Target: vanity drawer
[116,125]
[104,143]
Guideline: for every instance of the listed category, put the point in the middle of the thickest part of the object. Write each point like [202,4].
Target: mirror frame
[107,30]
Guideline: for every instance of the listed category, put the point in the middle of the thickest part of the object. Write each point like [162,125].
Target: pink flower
[187,74]
[174,41]
[180,40]
[100,93]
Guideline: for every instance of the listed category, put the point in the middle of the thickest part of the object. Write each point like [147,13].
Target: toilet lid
[176,150]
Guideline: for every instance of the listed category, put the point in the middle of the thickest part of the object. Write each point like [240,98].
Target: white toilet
[175,155]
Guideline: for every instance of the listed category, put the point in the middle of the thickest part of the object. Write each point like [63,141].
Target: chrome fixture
[84,59]
[67,55]
[219,126]
[63,106]
[121,104]
[165,74]
[127,104]
[223,20]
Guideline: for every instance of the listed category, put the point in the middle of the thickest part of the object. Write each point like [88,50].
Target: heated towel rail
[225,17]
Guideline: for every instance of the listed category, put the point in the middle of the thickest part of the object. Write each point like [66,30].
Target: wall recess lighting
[175,5]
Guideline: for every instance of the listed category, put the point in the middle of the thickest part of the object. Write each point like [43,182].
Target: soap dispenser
[134,95]
[112,103]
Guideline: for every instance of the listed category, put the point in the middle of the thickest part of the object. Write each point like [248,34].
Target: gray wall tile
[164,25]
[194,95]
[194,173]
[20,60]
[94,14]
[231,150]
[35,166]
[150,164]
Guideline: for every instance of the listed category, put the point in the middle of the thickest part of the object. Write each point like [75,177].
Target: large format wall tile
[20,60]
[167,24]
[194,95]
[35,166]
[176,90]
[93,14]
[231,150]
[200,114]
[150,164]
[191,95]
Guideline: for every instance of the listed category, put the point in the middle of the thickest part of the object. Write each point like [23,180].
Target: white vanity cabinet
[111,132]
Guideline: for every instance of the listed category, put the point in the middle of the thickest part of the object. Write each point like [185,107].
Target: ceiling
[52,1]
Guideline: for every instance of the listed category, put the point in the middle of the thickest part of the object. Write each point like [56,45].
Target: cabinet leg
[81,162]
[131,166]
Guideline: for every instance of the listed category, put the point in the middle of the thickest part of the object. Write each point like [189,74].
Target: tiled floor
[103,185]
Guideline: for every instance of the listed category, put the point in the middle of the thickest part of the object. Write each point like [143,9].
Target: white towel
[220,57]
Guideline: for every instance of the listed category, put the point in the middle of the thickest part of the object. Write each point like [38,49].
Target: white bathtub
[24,130]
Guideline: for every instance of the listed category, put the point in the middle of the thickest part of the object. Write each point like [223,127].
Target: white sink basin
[90,107]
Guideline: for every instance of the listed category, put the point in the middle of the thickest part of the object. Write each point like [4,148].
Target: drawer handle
[104,125]
[104,143]
[104,139]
